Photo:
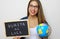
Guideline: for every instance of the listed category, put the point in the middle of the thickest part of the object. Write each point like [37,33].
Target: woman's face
[33,8]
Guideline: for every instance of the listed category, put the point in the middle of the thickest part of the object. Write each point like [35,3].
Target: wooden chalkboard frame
[22,35]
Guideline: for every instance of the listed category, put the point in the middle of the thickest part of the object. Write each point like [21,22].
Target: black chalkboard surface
[17,28]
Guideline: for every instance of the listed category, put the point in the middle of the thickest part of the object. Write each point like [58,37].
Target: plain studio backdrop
[11,10]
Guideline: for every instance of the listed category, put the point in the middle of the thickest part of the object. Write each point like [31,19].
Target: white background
[15,9]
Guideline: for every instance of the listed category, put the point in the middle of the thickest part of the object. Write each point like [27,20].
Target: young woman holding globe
[35,16]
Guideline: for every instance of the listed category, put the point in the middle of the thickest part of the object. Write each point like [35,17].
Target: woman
[35,16]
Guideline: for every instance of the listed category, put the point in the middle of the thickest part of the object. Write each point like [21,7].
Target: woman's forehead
[33,3]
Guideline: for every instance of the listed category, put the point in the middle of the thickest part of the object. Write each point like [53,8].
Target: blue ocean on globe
[42,30]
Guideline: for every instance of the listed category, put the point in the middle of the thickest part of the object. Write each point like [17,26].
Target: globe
[42,30]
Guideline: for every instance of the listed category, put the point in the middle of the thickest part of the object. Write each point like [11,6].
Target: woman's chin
[32,14]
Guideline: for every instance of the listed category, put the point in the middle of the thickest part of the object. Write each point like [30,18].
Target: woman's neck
[33,21]
[32,17]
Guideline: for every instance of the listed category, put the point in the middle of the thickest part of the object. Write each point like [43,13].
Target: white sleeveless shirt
[33,34]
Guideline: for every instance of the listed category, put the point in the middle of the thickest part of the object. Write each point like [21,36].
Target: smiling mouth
[32,12]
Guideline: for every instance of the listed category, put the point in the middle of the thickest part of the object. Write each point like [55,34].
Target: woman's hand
[17,37]
[45,38]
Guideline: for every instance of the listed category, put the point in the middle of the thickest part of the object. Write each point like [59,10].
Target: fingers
[17,37]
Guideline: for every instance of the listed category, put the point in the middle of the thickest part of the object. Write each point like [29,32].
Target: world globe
[42,30]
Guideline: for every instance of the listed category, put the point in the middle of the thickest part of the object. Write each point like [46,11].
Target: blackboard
[17,28]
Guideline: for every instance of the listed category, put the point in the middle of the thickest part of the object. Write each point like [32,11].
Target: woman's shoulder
[24,18]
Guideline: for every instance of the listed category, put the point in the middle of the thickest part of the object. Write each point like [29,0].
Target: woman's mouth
[32,12]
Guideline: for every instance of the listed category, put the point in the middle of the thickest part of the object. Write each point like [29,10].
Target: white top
[33,34]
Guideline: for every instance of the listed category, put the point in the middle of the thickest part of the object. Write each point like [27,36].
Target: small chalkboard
[16,28]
